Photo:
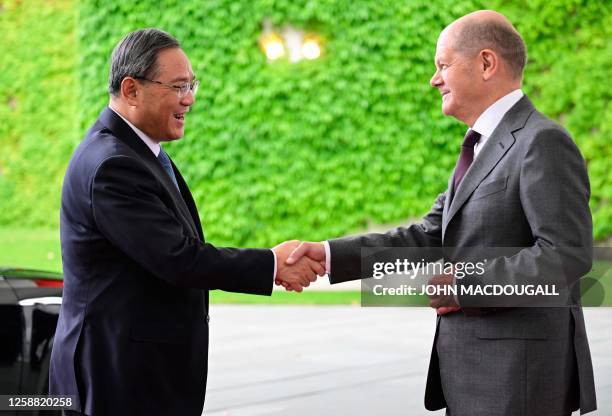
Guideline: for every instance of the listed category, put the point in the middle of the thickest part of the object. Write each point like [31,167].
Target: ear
[489,63]
[130,90]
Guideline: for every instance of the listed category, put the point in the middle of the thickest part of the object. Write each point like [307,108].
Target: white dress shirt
[485,125]
[491,117]
[151,144]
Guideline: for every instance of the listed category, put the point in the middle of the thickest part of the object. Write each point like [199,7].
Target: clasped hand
[298,264]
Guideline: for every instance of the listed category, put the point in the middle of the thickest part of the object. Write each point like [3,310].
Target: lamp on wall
[311,47]
[271,43]
[291,42]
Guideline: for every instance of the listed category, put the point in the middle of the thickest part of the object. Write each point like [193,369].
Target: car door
[39,302]
[12,336]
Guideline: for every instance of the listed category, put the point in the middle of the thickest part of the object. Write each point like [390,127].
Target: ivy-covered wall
[38,107]
[314,149]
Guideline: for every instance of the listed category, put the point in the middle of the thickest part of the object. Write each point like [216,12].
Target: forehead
[173,64]
[444,47]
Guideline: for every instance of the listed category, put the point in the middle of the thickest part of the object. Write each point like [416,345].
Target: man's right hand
[314,251]
[306,250]
[300,272]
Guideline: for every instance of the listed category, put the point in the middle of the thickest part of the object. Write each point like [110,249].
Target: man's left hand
[443,302]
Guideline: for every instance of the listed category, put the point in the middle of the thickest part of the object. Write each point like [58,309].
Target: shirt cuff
[327,257]
[274,275]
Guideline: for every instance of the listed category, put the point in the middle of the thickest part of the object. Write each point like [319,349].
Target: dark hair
[136,56]
[501,37]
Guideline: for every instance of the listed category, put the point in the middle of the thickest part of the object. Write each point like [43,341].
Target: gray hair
[136,56]
[500,37]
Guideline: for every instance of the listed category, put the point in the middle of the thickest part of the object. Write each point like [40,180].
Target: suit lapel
[494,149]
[125,133]
[450,190]
[189,202]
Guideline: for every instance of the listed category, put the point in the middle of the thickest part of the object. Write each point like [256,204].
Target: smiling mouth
[179,116]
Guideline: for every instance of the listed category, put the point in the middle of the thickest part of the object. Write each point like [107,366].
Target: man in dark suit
[520,184]
[132,336]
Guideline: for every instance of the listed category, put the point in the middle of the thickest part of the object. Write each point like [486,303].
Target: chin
[447,111]
[175,135]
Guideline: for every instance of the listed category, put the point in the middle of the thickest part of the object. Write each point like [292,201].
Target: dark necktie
[165,162]
[466,157]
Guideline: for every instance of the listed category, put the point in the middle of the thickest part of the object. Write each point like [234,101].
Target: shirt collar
[151,144]
[491,117]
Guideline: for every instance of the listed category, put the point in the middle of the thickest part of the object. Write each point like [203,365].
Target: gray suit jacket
[528,189]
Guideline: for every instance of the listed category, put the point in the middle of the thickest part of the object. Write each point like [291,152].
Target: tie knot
[471,138]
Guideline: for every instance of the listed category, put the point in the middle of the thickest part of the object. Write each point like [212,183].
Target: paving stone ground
[324,361]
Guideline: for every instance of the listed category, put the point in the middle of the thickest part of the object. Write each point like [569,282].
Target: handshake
[298,264]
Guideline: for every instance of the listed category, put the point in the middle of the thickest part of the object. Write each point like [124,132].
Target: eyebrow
[186,79]
[440,61]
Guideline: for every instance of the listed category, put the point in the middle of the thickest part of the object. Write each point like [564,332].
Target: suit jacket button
[207,318]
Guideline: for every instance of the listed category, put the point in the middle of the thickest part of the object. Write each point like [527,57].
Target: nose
[188,99]
[435,80]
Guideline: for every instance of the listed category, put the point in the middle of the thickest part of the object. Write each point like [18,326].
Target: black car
[30,302]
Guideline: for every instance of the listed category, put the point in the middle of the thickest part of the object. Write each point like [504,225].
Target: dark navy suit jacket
[132,336]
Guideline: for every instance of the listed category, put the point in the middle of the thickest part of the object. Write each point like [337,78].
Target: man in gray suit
[520,182]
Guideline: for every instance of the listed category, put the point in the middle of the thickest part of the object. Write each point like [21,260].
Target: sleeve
[422,241]
[129,211]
